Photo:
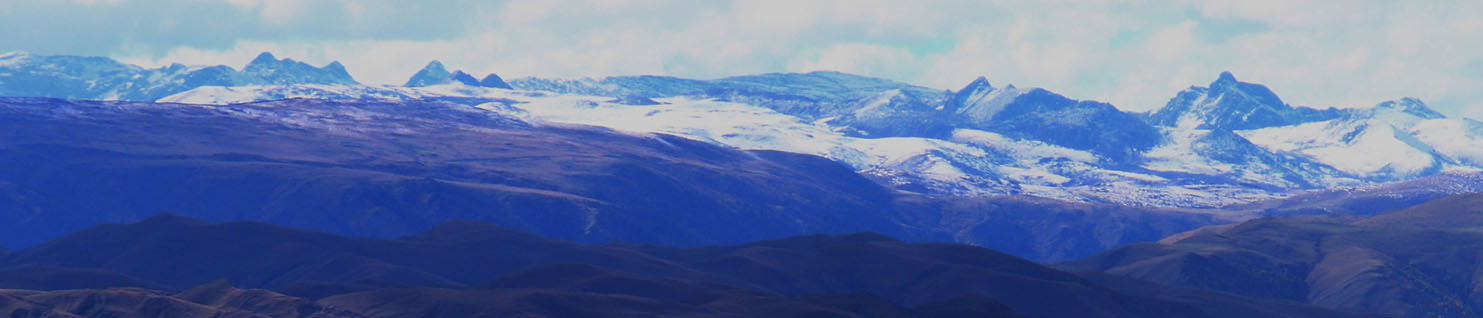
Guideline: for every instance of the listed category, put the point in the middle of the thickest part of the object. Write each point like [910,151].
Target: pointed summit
[432,74]
[1228,104]
[267,69]
[436,74]
[337,70]
[494,81]
[435,66]
[977,84]
[1226,77]
[963,97]
[334,66]
[465,78]
[979,101]
[262,59]
[1226,81]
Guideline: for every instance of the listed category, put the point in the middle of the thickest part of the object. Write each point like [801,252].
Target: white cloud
[860,58]
[1133,54]
[272,10]
[98,2]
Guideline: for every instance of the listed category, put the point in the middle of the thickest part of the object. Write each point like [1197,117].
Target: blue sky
[1135,54]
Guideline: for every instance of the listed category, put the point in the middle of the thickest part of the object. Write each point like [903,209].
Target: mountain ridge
[847,275]
[1409,262]
[1240,144]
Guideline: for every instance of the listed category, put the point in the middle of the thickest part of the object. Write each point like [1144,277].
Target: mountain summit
[436,74]
[268,70]
[1228,104]
[980,101]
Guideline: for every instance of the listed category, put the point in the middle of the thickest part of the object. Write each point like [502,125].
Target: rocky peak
[494,81]
[1234,105]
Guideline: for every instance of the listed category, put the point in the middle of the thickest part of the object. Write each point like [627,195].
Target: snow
[1032,150]
[737,125]
[971,162]
[1361,147]
[877,103]
[13,58]
[974,162]
[1458,139]
[219,95]
[1178,154]
[983,105]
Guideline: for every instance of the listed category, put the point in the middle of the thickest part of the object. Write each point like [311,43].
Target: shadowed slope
[470,268]
[1415,262]
[393,168]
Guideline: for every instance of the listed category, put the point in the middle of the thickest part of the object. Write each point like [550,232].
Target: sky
[1133,54]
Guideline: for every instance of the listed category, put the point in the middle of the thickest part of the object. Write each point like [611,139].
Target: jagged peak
[492,77]
[1225,76]
[434,74]
[494,81]
[464,78]
[1224,81]
[1227,83]
[265,57]
[338,70]
[977,84]
[435,66]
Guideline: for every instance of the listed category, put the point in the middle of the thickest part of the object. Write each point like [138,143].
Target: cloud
[272,10]
[1135,55]
[860,58]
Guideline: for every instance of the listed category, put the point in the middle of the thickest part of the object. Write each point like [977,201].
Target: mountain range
[1226,143]
[170,266]
[394,168]
[290,190]
[82,77]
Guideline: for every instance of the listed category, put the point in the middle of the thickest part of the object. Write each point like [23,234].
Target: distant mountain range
[99,78]
[1229,142]
[727,197]
[395,168]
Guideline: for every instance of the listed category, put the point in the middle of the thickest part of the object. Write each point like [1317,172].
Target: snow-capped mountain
[99,78]
[268,70]
[1395,140]
[1226,143]
[967,162]
[980,101]
[870,107]
[1228,104]
[436,74]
